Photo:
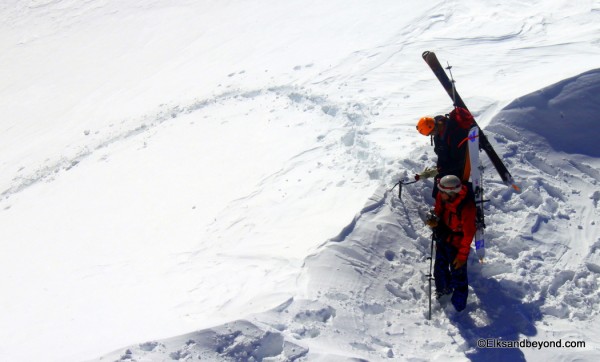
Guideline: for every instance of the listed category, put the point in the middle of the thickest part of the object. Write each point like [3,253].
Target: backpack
[463,117]
[469,197]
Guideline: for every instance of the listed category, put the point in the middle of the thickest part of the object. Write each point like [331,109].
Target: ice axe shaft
[425,174]
[400,184]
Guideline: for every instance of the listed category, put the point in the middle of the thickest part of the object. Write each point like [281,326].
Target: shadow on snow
[509,318]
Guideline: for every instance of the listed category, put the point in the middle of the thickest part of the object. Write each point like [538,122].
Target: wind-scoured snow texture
[363,295]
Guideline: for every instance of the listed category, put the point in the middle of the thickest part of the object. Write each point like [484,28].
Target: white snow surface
[209,180]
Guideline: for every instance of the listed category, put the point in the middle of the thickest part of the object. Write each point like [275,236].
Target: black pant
[446,277]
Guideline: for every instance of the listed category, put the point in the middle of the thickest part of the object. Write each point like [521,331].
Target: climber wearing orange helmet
[426,126]
[448,133]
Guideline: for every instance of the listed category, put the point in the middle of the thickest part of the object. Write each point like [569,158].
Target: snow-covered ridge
[564,115]
[363,295]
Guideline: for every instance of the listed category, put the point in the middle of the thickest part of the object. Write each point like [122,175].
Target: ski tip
[516,188]
[425,54]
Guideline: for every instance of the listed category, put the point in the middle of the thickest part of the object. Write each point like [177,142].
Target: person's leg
[441,268]
[460,283]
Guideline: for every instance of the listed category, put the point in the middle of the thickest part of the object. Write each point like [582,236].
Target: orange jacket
[463,228]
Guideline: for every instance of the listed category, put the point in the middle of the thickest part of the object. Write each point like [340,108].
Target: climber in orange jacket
[454,227]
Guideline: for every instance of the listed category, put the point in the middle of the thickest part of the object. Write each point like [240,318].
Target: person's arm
[468,217]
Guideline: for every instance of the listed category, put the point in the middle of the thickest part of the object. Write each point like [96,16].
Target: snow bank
[565,115]
[363,294]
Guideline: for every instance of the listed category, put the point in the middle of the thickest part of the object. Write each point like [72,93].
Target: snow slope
[173,166]
[363,295]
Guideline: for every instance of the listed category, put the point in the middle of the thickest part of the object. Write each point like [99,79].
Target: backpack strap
[444,119]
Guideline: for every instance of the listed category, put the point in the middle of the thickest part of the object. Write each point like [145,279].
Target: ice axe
[400,184]
[427,173]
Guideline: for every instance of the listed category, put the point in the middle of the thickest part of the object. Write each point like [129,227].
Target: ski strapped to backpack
[477,187]
[484,143]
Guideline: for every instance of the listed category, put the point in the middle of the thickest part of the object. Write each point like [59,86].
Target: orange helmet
[425,126]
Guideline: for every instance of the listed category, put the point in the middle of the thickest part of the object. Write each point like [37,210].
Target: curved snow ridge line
[490,38]
[240,340]
[283,333]
[66,164]
[151,121]
[376,202]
